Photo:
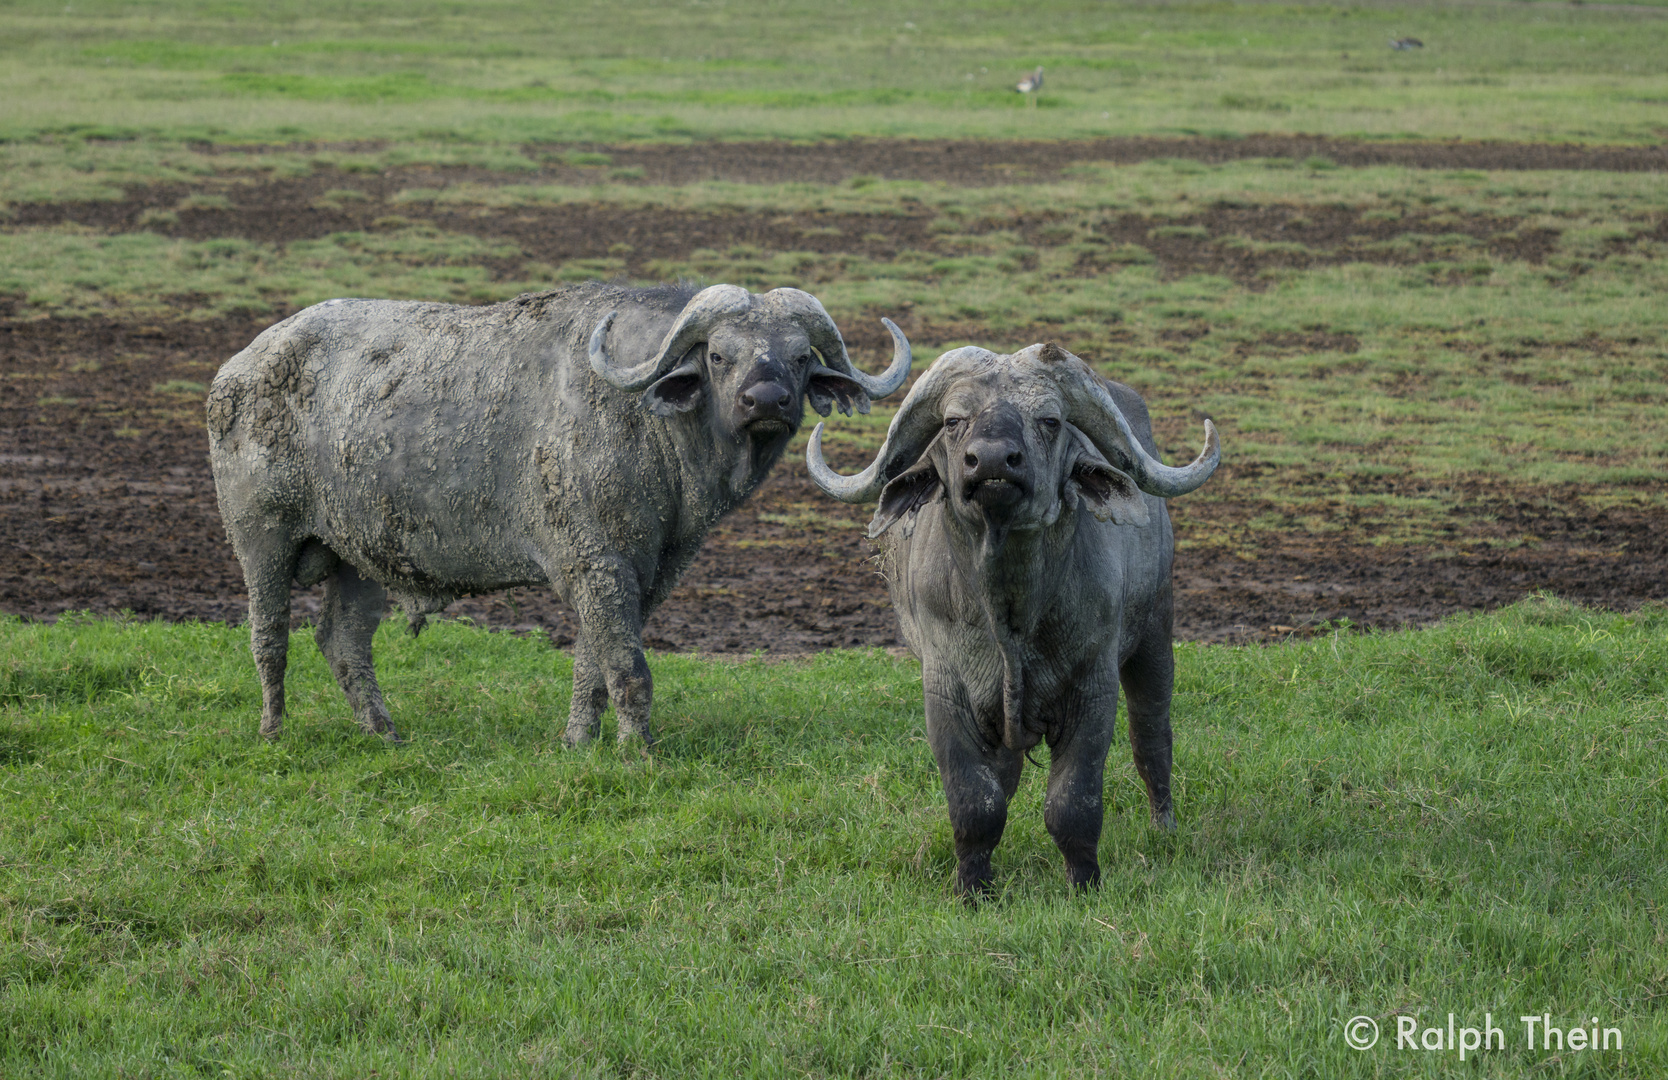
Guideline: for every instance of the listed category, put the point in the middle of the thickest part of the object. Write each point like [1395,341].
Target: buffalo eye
[952,422]
[715,357]
[1051,423]
[802,360]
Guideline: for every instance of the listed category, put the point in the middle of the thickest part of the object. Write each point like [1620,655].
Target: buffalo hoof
[1164,819]
[579,737]
[1084,877]
[974,883]
[379,725]
[272,728]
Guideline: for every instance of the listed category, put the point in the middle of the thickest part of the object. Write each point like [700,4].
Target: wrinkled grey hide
[1028,552]
[428,451]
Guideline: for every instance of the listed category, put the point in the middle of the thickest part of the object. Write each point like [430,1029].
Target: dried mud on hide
[107,505]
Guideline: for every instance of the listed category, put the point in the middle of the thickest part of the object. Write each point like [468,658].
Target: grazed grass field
[1467,819]
[510,71]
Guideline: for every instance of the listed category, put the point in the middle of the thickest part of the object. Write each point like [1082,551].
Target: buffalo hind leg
[590,697]
[978,782]
[1149,678]
[1072,808]
[353,606]
[268,562]
[609,602]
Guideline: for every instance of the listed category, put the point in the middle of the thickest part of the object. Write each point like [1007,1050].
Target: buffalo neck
[717,473]
[1014,574]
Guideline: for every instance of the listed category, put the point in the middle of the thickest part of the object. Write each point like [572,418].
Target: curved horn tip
[859,488]
[813,448]
[599,339]
[896,373]
[898,337]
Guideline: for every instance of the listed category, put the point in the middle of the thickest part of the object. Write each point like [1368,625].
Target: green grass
[1464,819]
[74,272]
[513,71]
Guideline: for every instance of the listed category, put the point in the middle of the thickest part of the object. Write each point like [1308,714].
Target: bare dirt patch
[107,504]
[980,163]
[975,163]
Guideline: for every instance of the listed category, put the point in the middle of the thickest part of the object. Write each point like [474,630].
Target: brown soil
[106,504]
[983,163]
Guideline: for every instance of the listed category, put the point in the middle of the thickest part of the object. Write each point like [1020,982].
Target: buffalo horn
[694,322]
[916,423]
[1092,407]
[831,347]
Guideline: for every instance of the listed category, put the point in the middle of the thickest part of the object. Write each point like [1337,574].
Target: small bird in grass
[1403,44]
[1031,83]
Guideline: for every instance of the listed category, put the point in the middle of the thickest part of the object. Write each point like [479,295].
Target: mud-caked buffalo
[585,439]
[1028,551]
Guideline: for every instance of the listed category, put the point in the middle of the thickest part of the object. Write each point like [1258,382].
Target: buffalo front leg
[608,600]
[1149,678]
[590,697]
[1072,808]
[353,606]
[978,782]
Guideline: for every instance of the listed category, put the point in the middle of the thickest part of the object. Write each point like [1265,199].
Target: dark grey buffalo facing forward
[1028,552]
[430,451]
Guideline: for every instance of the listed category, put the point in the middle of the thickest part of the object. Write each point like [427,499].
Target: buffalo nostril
[971,459]
[764,396]
[1014,459]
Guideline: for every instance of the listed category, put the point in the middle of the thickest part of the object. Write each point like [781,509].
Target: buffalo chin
[995,496]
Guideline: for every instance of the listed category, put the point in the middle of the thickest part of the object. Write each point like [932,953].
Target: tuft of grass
[158,217]
[179,386]
[1465,819]
[204,200]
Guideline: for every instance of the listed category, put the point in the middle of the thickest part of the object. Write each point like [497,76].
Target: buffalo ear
[679,390]
[908,492]
[828,388]
[1106,492]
